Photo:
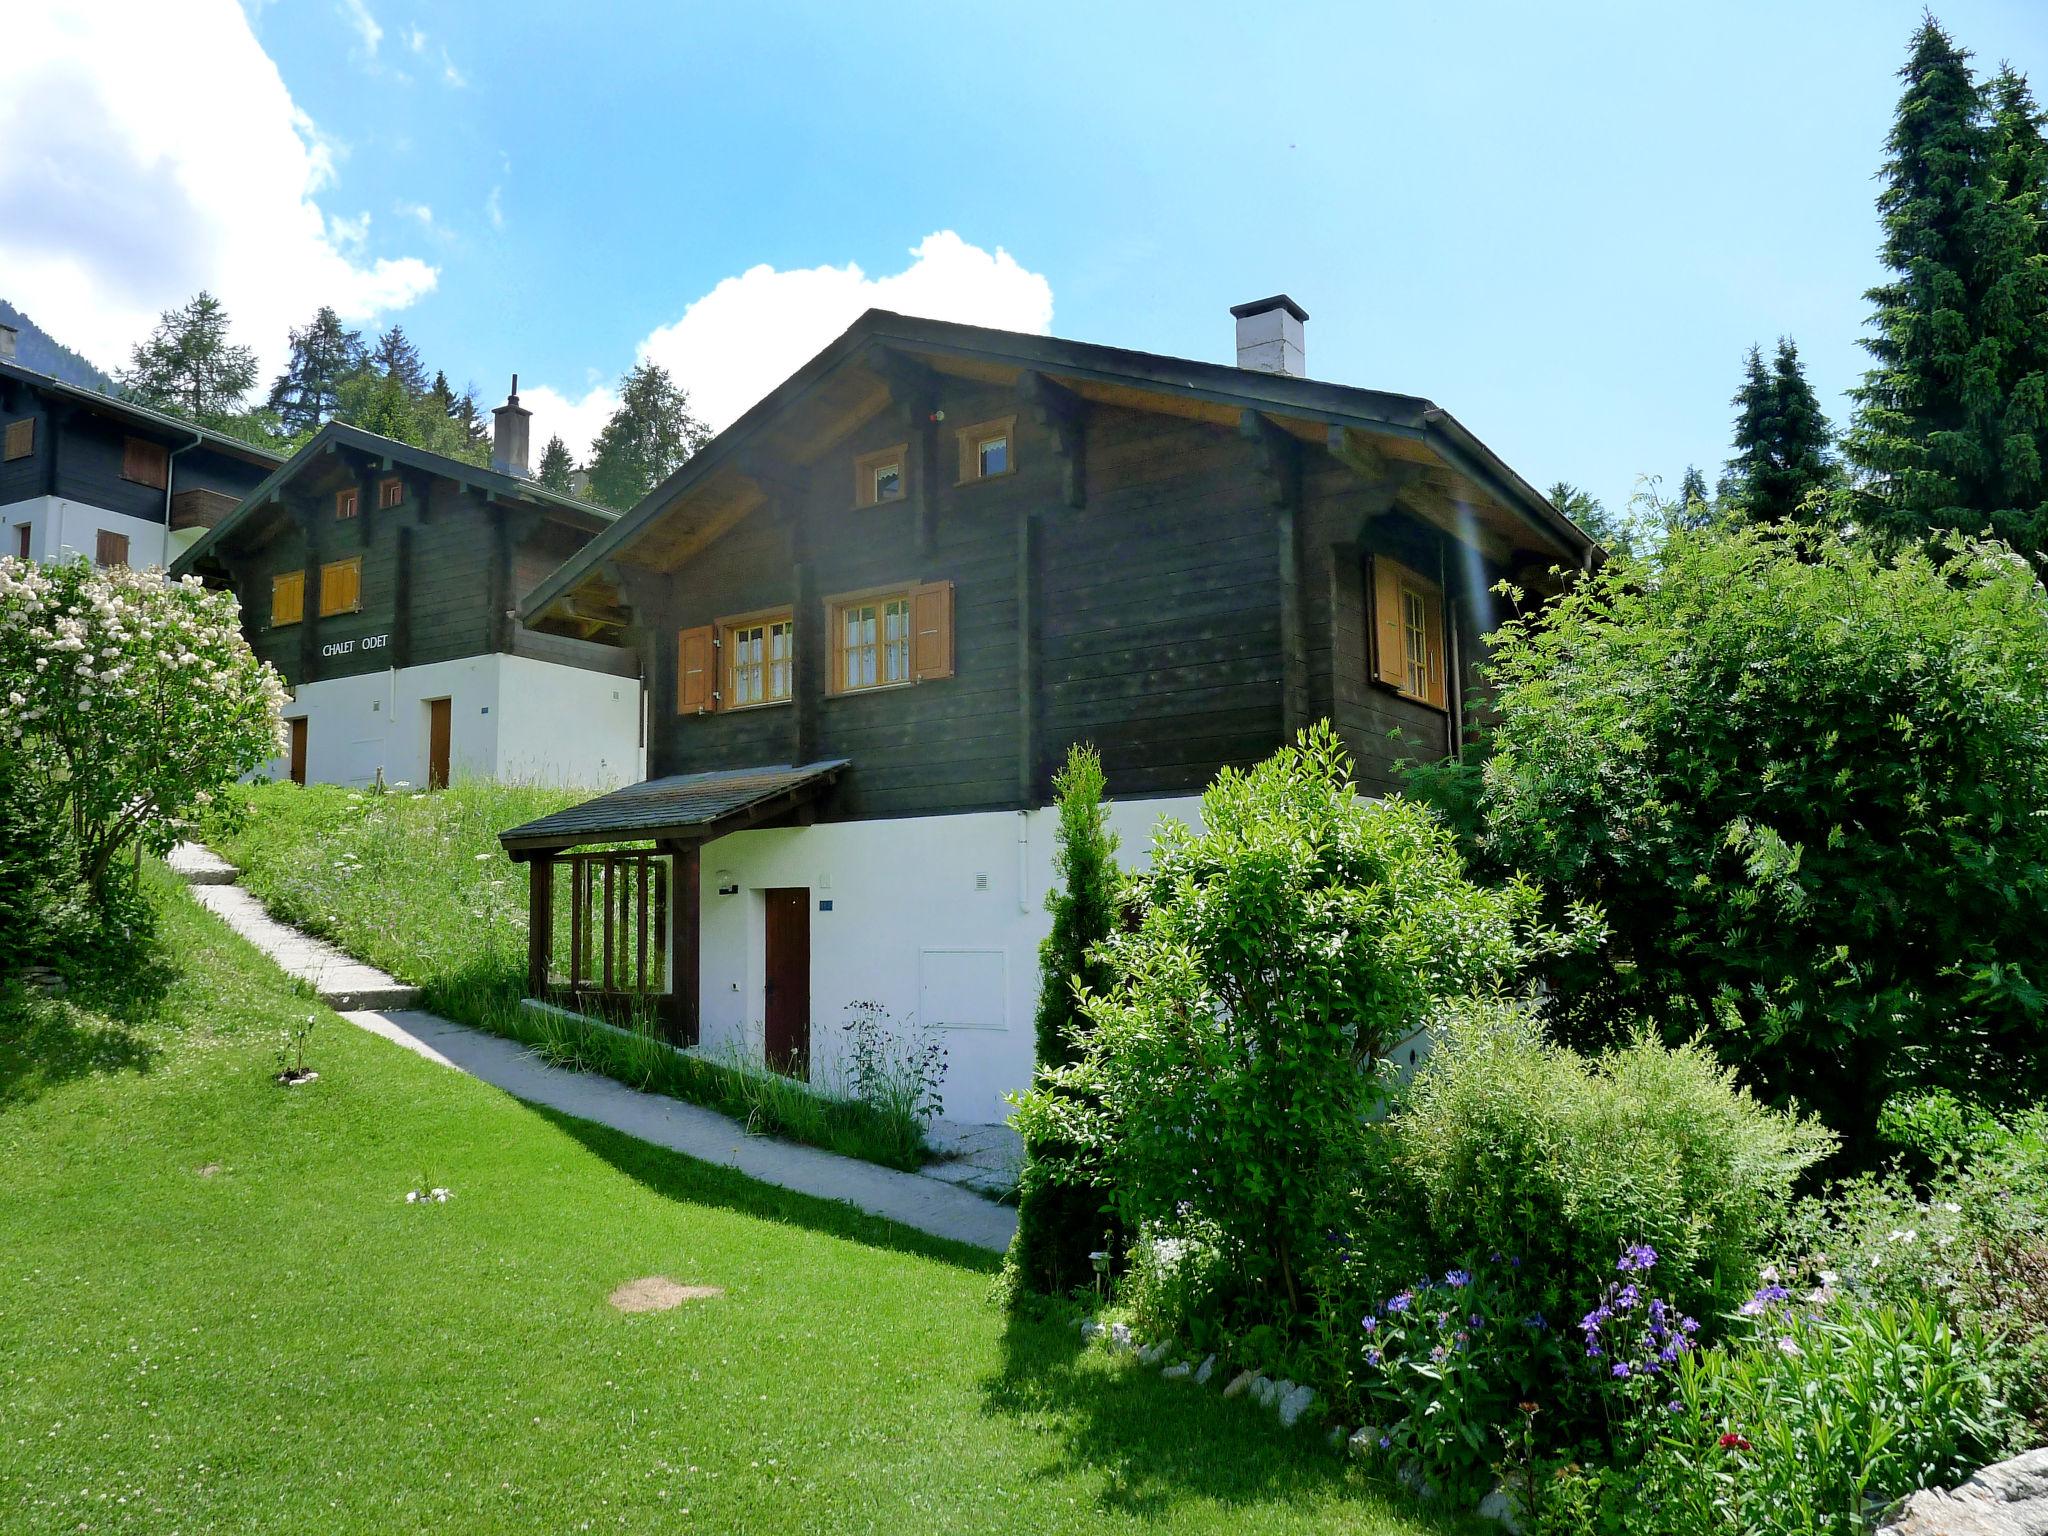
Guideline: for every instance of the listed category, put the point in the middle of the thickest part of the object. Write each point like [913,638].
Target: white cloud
[153,150]
[419,211]
[357,14]
[450,74]
[416,40]
[751,332]
[494,208]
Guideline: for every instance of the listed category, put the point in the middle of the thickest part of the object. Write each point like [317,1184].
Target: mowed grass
[217,1313]
[418,885]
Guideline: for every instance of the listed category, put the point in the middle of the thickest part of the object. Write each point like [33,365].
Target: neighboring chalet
[875,612]
[87,474]
[383,581]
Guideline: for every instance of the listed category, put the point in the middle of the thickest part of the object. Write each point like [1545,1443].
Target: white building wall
[63,529]
[567,726]
[509,718]
[936,918]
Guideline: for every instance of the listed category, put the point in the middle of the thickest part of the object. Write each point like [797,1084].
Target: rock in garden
[1413,1482]
[1262,1391]
[1294,1404]
[1204,1371]
[2008,1499]
[1364,1440]
[1090,1328]
[1240,1384]
[1153,1353]
[1120,1335]
[1178,1372]
[1505,1506]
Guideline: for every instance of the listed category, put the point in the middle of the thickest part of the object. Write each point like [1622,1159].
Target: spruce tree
[555,466]
[1694,507]
[397,358]
[1060,1222]
[1782,442]
[1611,533]
[1951,425]
[646,440]
[188,365]
[307,394]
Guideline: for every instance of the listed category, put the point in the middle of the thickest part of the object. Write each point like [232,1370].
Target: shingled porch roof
[689,808]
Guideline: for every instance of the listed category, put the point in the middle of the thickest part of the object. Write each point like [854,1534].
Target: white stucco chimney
[8,337]
[509,435]
[1271,336]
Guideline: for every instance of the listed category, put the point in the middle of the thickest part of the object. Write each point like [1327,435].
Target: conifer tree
[555,466]
[646,440]
[1611,533]
[1782,442]
[1952,421]
[188,365]
[307,395]
[397,358]
[1060,1222]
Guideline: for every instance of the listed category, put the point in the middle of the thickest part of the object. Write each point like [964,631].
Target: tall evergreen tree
[307,395]
[1952,421]
[647,439]
[555,466]
[188,365]
[1782,441]
[1611,533]
[397,358]
[1061,1220]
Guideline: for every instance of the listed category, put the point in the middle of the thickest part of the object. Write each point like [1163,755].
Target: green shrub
[1062,1215]
[1811,1422]
[1520,1146]
[1806,784]
[1234,1058]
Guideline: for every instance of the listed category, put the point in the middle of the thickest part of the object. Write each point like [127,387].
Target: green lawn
[217,1313]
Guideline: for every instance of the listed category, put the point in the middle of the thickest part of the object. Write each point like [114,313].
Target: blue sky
[1563,223]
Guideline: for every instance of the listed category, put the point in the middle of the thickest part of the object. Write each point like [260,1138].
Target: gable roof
[340,435]
[137,415]
[1403,427]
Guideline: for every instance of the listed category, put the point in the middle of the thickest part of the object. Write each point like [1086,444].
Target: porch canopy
[682,808]
[632,913]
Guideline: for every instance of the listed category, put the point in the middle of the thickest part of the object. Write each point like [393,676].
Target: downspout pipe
[171,480]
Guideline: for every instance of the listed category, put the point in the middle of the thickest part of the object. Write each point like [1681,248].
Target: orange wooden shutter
[1389,646]
[931,631]
[288,597]
[696,671]
[1433,622]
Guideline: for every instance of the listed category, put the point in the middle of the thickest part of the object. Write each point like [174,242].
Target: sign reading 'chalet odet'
[367,643]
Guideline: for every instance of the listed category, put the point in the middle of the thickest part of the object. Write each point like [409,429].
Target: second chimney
[509,435]
[8,336]
[1271,336]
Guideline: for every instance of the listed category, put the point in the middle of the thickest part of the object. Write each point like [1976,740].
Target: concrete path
[930,1204]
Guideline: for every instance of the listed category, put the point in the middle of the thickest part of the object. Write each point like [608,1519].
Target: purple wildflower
[1458,1279]
[1400,1303]
[1369,1323]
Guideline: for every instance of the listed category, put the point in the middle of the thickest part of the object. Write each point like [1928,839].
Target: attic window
[345,503]
[390,491]
[879,476]
[988,449]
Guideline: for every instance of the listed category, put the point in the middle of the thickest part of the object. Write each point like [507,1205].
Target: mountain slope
[38,349]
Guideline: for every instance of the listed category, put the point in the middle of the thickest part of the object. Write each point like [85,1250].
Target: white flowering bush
[126,702]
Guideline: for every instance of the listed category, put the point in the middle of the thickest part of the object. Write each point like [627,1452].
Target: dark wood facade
[1182,579]
[445,551]
[81,447]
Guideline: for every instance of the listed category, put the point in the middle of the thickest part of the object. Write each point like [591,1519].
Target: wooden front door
[787,1034]
[298,750]
[437,743]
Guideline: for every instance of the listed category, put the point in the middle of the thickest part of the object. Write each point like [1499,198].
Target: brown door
[437,743]
[298,749]
[787,1035]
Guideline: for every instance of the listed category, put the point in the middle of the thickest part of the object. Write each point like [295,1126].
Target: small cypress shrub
[1061,1216]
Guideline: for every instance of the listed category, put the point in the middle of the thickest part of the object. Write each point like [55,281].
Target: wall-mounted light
[728,884]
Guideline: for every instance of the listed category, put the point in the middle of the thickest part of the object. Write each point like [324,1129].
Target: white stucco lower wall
[63,529]
[936,918]
[510,718]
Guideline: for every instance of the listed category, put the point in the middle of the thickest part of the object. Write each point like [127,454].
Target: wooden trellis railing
[613,940]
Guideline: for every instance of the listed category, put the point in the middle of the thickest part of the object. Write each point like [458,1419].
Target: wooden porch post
[687,888]
[540,921]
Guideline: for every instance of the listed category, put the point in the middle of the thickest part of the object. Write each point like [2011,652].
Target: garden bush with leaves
[1806,782]
[1236,1054]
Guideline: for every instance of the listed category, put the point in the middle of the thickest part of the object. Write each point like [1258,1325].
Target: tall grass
[417,884]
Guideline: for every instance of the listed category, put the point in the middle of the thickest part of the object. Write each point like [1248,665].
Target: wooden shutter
[110,549]
[931,631]
[341,586]
[697,671]
[145,463]
[21,438]
[1389,648]
[288,597]
[1433,622]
